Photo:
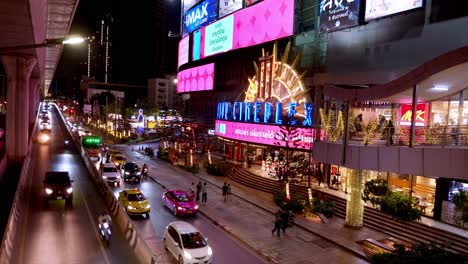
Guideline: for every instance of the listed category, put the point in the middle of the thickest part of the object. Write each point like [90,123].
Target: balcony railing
[436,135]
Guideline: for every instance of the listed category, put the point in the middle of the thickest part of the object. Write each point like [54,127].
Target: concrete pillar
[355,205]
[18,71]
[33,91]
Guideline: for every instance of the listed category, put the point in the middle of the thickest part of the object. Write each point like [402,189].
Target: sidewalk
[249,218]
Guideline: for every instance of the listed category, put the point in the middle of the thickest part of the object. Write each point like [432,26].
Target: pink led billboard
[266,21]
[184,50]
[302,138]
[199,78]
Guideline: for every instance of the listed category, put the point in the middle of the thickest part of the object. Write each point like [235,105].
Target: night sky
[140,46]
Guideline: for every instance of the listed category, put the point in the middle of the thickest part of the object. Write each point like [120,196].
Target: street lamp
[47,43]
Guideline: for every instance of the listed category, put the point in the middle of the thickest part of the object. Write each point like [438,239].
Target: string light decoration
[354,204]
[333,130]
[432,134]
[370,132]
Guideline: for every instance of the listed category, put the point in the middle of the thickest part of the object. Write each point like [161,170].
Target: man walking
[277,223]
[284,219]
[225,190]
[204,194]
[229,191]
[199,185]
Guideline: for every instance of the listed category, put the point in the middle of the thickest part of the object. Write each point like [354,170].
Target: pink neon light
[196,79]
[266,21]
[302,138]
[184,50]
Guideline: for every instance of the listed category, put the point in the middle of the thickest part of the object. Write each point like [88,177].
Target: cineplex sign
[262,123]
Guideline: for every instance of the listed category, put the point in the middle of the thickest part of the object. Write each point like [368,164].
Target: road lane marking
[101,247]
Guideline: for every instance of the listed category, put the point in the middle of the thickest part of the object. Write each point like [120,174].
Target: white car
[110,173]
[187,244]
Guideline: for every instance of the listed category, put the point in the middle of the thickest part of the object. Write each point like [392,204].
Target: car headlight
[196,207]
[179,208]
[138,173]
[104,177]
[44,138]
[130,207]
[210,251]
[70,190]
[187,255]
[48,191]
[148,206]
[127,173]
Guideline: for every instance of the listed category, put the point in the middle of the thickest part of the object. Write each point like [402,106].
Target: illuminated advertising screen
[336,16]
[183,50]
[272,135]
[227,7]
[200,15]
[199,78]
[381,8]
[266,21]
[251,2]
[406,115]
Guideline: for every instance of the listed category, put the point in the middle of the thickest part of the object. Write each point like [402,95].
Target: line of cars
[45,125]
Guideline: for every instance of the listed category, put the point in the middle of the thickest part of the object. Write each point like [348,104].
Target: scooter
[106,233]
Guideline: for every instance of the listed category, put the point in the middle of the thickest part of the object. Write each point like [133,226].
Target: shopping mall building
[368,66]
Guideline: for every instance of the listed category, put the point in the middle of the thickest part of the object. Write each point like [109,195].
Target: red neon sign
[407,113]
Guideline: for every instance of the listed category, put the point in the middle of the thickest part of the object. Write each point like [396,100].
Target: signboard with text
[337,15]
[407,111]
[382,8]
[301,138]
[266,21]
[227,7]
[200,15]
[183,50]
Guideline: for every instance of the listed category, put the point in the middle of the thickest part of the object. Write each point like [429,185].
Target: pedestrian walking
[204,197]
[192,190]
[225,190]
[284,220]
[199,185]
[277,222]
[229,191]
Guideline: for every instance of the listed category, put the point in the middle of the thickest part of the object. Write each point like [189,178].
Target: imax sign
[200,15]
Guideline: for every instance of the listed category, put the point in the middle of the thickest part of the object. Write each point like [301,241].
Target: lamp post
[46,43]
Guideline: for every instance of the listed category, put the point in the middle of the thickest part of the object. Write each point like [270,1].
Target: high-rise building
[100,50]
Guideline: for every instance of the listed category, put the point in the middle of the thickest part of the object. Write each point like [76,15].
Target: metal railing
[436,135]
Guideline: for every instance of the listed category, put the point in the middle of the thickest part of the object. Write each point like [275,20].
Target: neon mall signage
[266,113]
[299,137]
[200,15]
[266,21]
[407,113]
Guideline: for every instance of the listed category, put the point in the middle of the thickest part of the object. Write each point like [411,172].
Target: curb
[349,250]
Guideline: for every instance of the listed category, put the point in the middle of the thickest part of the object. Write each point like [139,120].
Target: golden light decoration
[333,130]
[276,80]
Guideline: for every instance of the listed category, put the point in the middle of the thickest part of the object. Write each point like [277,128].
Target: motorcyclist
[104,217]
[144,170]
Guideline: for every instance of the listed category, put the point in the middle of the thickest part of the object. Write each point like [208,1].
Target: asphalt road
[226,250]
[57,234]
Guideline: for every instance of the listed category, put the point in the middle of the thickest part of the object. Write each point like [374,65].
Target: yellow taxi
[118,159]
[134,202]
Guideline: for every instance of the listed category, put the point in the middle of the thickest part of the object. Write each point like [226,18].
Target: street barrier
[119,216]
[15,217]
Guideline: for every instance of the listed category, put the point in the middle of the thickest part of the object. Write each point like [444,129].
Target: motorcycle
[104,230]
[144,173]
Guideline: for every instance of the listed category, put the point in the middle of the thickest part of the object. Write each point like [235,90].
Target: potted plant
[460,200]
[374,190]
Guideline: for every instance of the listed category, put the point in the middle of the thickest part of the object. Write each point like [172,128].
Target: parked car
[134,202]
[110,173]
[179,202]
[187,244]
[130,171]
[57,186]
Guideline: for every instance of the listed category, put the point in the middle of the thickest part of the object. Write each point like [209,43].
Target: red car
[179,202]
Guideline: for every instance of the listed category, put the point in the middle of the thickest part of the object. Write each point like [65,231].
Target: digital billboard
[337,15]
[199,78]
[251,2]
[201,14]
[227,7]
[381,8]
[302,138]
[184,44]
[266,21]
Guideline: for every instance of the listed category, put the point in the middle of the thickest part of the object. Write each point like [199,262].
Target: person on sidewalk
[277,223]
[192,190]
[229,191]
[284,219]
[225,190]
[199,185]
[204,197]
